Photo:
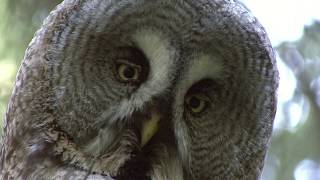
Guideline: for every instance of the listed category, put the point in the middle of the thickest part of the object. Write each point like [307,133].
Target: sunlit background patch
[294,30]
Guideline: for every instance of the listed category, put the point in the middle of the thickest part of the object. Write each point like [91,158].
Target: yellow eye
[196,103]
[128,72]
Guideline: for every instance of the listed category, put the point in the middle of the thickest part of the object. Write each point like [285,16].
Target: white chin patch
[100,143]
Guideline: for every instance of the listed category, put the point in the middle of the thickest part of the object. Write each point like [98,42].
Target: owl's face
[183,88]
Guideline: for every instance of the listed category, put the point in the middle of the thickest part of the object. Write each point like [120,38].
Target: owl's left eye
[196,103]
[128,72]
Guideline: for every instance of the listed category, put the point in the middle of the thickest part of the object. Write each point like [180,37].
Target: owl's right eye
[128,72]
[131,66]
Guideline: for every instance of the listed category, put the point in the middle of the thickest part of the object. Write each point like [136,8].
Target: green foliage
[290,147]
[19,21]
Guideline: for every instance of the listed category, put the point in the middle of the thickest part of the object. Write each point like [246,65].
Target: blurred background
[294,29]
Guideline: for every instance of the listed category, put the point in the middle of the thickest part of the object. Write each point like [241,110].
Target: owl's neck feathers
[121,162]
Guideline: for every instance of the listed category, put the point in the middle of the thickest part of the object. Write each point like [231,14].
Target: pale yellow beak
[150,127]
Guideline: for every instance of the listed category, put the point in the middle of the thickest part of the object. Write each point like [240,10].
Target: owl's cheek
[98,145]
[114,131]
[84,113]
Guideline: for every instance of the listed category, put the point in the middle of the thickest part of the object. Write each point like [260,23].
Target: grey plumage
[98,70]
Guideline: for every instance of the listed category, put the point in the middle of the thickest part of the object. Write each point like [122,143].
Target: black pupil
[129,72]
[194,102]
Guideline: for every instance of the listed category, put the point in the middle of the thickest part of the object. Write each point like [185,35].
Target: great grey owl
[142,89]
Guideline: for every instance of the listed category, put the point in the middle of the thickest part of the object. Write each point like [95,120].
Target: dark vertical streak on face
[136,168]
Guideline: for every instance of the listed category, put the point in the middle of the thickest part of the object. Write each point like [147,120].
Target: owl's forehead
[183,20]
[192,25]
[164,59]
[205,37]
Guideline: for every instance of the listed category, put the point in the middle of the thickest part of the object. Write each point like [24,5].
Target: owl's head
[160,89]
